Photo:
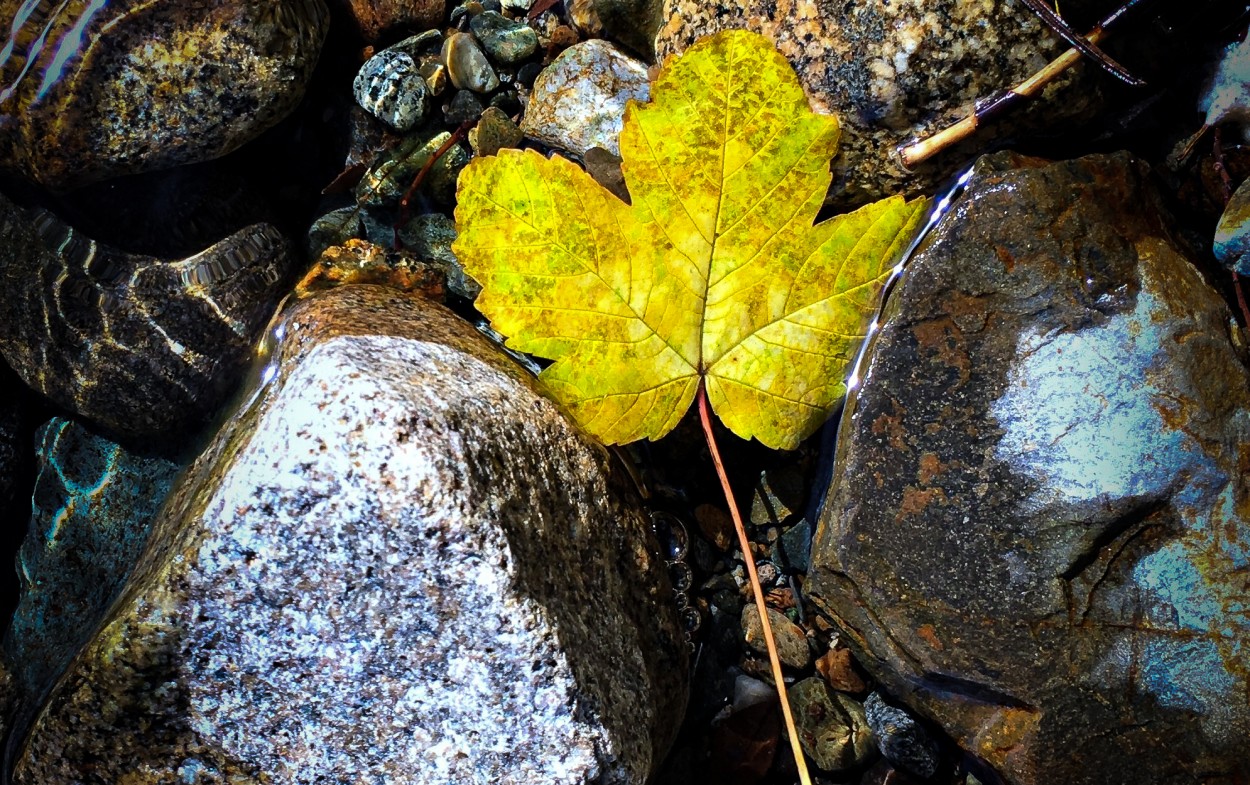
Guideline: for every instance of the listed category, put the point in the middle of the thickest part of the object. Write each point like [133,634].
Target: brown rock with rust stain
[107,89]
[377,16]
[1040,517]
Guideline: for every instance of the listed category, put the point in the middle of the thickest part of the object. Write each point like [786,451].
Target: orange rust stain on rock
[943,338]
[930,467]
[1004,256]
[930,637]
[892,426]
[917,500]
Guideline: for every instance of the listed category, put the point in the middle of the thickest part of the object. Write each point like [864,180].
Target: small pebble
[838,669]
[507,100]
[494,132]
[605,168]
[390,87]
[505,41]
[462,108]
[833,728]
[334,228]
[902,740]
[467,66]
[792,645]
[792,551]
[435,75]
[528,73]
[767,572]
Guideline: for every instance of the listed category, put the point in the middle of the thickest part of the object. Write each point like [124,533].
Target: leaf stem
[773,659]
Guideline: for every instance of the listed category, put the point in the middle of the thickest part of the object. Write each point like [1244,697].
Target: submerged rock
[578,101]
[91,90]
[93,506]
[144,347]
[390,88]
[832,727]
[374,17]
[894,71]
[1039,522]
[398,563]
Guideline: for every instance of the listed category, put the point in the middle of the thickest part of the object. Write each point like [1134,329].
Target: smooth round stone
[494,132]
[93,90]
[390,87]
[506,41]
[467,66]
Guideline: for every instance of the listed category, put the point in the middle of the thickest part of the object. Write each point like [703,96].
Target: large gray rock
[894,70]
[1039,526]
[397,563]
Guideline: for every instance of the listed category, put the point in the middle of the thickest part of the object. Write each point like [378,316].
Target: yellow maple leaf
[715,275]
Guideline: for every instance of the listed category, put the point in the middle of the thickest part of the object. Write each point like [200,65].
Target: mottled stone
[505,41]
[832,727]
[398,562]
[144,347]
[390,87]
[791,642]
[901,740]
[94,89]
[92,508]
[361,262]
[494,132]
[386,182]
[462,108]
[894,70]
[375,17]
[578,101]
[467,67]
[1232,235]
[1038,524]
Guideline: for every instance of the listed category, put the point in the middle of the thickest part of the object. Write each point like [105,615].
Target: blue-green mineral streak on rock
[91,513]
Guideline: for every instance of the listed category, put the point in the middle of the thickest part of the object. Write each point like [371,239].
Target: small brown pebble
[838,669]
[716,525]
[561,38]
[791,640]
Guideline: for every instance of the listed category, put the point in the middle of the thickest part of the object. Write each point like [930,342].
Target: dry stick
[420,178]
[773,659]
[1217,147]
[924,149]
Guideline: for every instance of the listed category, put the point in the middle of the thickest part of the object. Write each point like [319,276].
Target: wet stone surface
[144,347]
[1040,510]
[398,562]
[76,114]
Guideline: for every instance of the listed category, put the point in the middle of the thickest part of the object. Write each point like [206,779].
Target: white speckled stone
[390,87]
[398,563]
[579,100]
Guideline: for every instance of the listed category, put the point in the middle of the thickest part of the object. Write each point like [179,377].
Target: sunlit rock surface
[396,563]
[1039,527]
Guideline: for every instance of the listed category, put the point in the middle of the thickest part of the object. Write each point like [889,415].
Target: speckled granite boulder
[893,70]
[578,101]
[95,89]
[397,563]
[1039,525]
[91,512]
[144,347]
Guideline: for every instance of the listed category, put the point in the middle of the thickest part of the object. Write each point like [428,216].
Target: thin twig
[922,150]
[420,178]
[1078,41]
[773,659]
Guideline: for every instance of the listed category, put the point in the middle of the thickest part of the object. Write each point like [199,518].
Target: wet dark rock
[578,101]
[144,347]
[1038,520]
[374,17]
[467,66]
[495,132]
[334,228]
[633,23]
[398,562]
[93,506]
[427,237]
[507,101]
[791,642]
[505,41]
[792,550]
[527,73]
[103,89]
[362,262]
[901,740]
[462,108]
[779,495]
[893,71]
[832,727]
[390,87]
[1232,235]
